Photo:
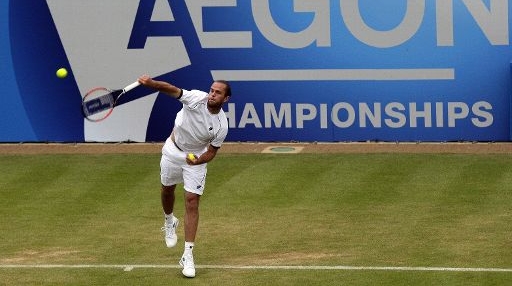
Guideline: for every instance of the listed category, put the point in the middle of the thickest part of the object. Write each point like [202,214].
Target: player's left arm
[206,157]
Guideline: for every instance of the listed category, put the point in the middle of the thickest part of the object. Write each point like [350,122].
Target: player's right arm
[161,86]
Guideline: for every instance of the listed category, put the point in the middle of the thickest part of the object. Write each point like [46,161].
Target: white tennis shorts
[175,170]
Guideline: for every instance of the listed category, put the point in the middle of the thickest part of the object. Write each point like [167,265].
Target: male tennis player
[200,128]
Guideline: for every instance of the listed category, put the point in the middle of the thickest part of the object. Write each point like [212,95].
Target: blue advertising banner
[301,70]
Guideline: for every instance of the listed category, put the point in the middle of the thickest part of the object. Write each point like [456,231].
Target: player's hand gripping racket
[98,103]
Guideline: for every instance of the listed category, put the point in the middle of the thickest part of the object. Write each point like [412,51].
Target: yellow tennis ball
[191,156]
[62,73]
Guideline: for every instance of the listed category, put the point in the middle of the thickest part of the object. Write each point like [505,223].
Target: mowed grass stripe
[265,210]
[399,204]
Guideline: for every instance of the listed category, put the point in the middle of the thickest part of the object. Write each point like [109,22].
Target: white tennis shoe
[187,262]
[170,232]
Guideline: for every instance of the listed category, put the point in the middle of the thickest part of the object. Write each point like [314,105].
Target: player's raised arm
[161,86]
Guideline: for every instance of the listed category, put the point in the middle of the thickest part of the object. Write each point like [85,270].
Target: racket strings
[97,104]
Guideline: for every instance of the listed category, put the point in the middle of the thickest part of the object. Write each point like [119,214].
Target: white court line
[335,74]
[259,267]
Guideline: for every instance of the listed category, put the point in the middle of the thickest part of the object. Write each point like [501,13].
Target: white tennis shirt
[195,127]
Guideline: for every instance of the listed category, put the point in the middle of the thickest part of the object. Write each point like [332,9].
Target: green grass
[414,210]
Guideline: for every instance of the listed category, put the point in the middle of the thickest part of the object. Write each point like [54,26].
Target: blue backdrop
[347,70]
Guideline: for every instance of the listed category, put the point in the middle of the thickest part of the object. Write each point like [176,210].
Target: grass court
[265,219]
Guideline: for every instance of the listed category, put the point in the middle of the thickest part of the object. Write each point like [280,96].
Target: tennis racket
[98,103]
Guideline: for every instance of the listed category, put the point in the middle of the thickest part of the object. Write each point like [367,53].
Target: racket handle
[131,86]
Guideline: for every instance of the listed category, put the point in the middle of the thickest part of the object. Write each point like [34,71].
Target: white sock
[168,217]
[189,246]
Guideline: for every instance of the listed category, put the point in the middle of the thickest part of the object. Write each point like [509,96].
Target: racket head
[98,103]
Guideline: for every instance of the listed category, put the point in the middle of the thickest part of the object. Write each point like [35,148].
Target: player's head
[227,88]
[220,92]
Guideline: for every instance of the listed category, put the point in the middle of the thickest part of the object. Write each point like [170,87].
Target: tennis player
[200,128]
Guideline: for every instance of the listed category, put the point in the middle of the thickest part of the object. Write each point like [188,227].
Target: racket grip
[131,86]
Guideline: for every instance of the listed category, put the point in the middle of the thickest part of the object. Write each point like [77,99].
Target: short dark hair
[228,86]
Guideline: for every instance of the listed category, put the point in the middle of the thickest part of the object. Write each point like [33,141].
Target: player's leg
[194,182]
[170,175]
[191,223]
[167,196]
[191,216]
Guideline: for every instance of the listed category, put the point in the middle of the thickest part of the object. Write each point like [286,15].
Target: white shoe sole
[189,273]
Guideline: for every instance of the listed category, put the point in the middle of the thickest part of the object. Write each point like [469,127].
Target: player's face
[217,95]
